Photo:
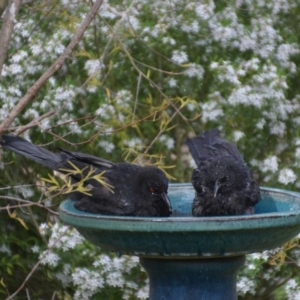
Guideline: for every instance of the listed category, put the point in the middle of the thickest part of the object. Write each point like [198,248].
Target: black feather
[137,191]
[224,184]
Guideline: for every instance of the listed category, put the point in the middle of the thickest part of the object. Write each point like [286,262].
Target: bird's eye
[224,179]
[151,189]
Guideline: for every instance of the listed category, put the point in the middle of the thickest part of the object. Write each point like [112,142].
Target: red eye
[151,189]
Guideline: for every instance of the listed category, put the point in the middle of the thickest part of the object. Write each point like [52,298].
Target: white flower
[49,258]
[205,11]
[143,293]
[284,51]
[168,40]
[35,249]
[245,285]
[172,82]
[191,106]
[5,249]
[27,192]
[287,176]
[214,65]
[169,142]
[64,237]
[19,56]
[194,71]
[94,66]
[270,164]
[89,282]
[247,96]
[123,97]
[237,135]
[179,57]
[134,143]
[211,111]
[107,146]
[260,124]
[278,128]
[193,27]
[15,69]
[291,283]
[43,228]
[134,22]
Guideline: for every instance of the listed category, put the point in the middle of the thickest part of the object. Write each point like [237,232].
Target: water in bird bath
[182,198]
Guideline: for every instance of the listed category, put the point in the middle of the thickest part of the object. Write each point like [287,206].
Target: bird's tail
[210,144]
[33,152]
[203,145]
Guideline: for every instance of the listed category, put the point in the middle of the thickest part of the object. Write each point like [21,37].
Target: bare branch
[3,4]
[24,2]
[7,28]
[35,122]
[25,203]
[32,91]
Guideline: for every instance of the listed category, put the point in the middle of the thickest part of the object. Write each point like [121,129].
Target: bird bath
[192,257]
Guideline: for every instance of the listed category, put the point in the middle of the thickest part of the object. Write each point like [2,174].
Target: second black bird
[224,184]
[136,190]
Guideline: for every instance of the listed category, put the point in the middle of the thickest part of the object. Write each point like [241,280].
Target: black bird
[136,190]
[224,184]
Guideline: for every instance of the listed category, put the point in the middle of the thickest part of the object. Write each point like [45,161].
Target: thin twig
[136,96]
[53,297]
[17,186]
[160,132]
[27,294]
[26,203]
[34,122]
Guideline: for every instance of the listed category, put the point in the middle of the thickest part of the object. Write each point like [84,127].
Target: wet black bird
[136,190]
[224,184]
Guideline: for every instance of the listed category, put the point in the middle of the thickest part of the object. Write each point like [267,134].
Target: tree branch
[32,91]
[7,27]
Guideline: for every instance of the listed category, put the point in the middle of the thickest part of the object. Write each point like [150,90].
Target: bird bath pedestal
[188,257]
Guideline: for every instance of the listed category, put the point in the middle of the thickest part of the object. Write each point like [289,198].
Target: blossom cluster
[104,270]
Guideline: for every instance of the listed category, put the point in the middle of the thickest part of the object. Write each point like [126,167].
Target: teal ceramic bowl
[276,220]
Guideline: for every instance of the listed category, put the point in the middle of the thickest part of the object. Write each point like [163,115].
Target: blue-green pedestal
[193,279]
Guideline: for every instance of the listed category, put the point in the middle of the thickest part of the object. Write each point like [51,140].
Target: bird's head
[227,175]
[154,186]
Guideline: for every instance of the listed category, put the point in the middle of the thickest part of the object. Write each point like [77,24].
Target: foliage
[146,75]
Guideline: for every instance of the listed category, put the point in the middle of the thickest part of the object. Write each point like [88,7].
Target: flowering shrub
[146,75]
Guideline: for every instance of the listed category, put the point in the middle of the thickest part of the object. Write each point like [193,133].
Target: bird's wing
[109,205]
[97,162]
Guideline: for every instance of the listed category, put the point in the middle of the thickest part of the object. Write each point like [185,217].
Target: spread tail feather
[210,144]
[203,145]
[24,148]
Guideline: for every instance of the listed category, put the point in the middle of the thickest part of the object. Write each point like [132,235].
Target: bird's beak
[216,188]
[167,200]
